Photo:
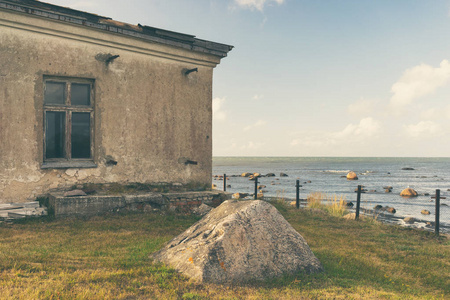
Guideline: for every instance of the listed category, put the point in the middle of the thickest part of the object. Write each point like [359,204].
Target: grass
[334,205]
[108,258]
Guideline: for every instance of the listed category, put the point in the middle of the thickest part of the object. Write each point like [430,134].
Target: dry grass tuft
[335,205]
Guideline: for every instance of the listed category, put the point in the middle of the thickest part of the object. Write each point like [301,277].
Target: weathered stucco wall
[148,113]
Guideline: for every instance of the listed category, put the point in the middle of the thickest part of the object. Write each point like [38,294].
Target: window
[68,120]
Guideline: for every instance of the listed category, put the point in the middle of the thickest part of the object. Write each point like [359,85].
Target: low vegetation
[107,257]
[334,205]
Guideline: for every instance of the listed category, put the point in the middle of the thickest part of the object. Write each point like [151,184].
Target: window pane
[81,135]
[54,92]
[55,134]
[80,94]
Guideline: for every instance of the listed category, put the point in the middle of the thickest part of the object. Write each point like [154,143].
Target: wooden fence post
[256,187]
[358,202]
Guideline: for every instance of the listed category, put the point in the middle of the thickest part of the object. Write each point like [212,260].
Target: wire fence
[434,218]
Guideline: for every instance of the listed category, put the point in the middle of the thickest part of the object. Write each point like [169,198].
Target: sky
[316,78]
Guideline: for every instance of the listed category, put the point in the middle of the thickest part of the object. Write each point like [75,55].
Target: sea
[328,175]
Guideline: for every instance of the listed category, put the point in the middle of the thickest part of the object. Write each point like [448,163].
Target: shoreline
[382,216]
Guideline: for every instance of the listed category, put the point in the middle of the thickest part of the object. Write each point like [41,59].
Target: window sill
[68,164]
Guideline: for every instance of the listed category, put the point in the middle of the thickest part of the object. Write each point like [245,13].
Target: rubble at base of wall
[184,202]
[14,211]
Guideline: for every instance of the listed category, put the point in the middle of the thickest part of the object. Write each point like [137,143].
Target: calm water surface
[325,174]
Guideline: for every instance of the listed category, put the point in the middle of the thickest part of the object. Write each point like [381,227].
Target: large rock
[239,241]
[408,192]
[352,176]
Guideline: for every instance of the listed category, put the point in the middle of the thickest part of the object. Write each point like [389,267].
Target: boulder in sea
[352,176]
[408,192]
[388,191]
[256,175]
[284,175]
[391,210]
[378,207]
[408,169]
[425,212]
[239,195]
[239,241]
[246,174]
[409,220]
[270,175]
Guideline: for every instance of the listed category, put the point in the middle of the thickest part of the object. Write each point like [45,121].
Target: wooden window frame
[67,161]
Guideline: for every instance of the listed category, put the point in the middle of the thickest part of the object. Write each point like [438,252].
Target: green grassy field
[108,258]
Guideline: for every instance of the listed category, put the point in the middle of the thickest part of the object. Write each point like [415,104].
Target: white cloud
[447,112]
[361,107]
[258,123]
[419,81]
[423,129]
[430,114]
[256,4]
[251,146]
[258,97]
[367,127]
[218,113]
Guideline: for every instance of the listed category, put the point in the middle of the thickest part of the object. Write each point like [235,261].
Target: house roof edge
[148,33]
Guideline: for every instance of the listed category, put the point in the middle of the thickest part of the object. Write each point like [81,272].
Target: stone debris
[239,241]
[14,211]
[74,193]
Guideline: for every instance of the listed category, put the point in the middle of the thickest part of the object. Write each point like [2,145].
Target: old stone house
[84,98]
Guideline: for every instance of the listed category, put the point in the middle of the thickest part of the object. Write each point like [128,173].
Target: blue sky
[317,78]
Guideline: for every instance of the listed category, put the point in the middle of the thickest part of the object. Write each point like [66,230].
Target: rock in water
[352,176]
[408,192]
[239,241]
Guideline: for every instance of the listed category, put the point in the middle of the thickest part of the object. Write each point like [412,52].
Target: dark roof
[153,34]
